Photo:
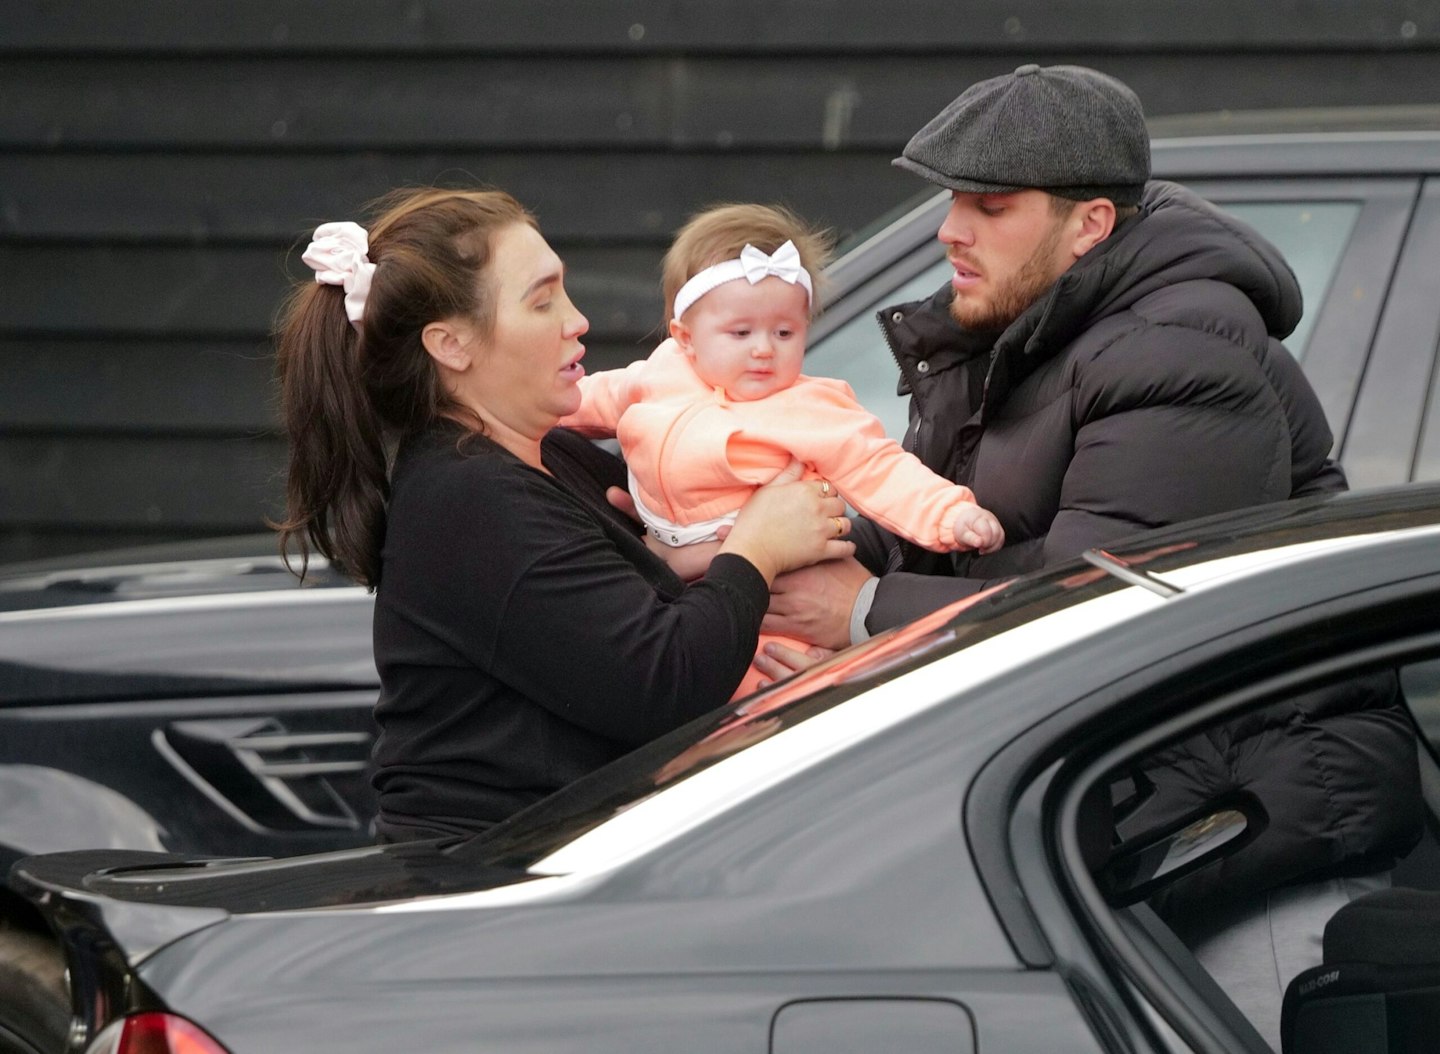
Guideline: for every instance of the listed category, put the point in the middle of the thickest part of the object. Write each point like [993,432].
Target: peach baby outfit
[696,455]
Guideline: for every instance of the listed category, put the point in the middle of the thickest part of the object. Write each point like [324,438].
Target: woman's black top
[525,636]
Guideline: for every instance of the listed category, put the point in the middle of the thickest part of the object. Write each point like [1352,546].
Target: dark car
[193,699]
[198,702]
[889,852]
[1352,199]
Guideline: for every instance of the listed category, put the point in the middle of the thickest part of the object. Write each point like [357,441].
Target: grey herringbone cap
[1068,130]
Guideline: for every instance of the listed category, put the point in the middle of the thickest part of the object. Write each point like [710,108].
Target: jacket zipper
[909,375]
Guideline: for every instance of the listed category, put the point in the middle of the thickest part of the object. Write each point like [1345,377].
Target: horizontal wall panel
[137,386]
[163,387]
[391,104]
[629,26]
[596,197]
[235,292]
[113,482]
[300,102]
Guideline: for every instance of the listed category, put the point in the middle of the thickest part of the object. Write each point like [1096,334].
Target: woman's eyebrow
[545,279]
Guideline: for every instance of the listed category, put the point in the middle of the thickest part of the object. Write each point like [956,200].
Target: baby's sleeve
[604,397]
[878,477]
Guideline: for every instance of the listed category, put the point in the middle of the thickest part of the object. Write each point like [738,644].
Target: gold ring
[825,488]
[839,526]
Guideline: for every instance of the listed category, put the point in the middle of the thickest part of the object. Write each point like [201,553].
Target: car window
[1310,234]
[855,352]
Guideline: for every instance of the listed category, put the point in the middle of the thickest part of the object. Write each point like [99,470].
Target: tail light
[154,1033]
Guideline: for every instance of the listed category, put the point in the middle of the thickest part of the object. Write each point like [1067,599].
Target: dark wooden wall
[160,161]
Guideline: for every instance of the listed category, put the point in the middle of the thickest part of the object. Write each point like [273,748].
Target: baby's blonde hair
[720,232]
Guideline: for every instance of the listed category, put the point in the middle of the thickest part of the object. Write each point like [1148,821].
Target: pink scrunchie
[337,255]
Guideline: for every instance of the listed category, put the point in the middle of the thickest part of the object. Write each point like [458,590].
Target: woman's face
[526,371]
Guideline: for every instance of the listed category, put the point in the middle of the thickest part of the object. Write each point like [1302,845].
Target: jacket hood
[1185,238]
[1176,237]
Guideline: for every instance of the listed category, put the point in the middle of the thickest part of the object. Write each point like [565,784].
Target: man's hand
[814,603]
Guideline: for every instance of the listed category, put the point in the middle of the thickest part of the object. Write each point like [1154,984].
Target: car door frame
[1032,862]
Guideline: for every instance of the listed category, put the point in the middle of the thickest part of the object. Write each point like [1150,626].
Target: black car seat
[1378,990]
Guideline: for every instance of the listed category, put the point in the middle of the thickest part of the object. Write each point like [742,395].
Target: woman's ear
[449,344]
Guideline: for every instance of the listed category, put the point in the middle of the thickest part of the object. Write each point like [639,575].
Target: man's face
[1007,250]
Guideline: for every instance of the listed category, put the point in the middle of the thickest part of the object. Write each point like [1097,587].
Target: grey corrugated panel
[628,26]
[612,197]
[163,387]
[290,104]
[136,385]
[111,482]
[119,291]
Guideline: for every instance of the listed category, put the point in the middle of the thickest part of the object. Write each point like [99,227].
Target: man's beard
[1016,293]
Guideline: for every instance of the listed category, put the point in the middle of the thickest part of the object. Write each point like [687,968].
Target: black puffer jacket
[1150,387]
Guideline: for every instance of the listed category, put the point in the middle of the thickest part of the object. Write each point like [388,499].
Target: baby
[722,407]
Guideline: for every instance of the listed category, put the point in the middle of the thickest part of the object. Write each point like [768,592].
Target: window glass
[1310,235]
[856,352]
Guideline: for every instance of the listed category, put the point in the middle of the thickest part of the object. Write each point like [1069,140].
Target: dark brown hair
[720,232]
[346,395]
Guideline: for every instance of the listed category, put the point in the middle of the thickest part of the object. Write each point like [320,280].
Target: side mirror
[1142,864]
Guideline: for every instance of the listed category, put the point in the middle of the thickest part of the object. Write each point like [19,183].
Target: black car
[193,699]
[888,852]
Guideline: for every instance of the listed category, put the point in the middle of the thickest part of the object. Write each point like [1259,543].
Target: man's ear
[681,332]
[449,344]
[1093,221]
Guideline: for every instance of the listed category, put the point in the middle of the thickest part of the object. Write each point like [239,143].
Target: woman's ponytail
[336,487]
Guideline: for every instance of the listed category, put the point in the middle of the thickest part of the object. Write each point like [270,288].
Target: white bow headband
[337,255]
[752,266]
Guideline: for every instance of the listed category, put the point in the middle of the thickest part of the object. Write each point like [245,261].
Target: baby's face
[747,339]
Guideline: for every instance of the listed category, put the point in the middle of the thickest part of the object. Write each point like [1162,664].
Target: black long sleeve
[525,636]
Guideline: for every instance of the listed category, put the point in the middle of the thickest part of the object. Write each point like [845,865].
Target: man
[1107,358]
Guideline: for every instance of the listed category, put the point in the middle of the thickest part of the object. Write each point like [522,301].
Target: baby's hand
[977,528]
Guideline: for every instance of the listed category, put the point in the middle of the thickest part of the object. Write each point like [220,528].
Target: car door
[219,725]
[1394,434]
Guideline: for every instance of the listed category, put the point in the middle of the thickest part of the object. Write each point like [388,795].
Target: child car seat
[1378,989]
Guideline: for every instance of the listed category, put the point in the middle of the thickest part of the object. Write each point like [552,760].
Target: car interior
[1376,989]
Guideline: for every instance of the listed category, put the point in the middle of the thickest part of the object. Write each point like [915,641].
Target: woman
[523,632]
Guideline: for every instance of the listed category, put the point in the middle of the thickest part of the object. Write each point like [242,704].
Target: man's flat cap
[1072,131]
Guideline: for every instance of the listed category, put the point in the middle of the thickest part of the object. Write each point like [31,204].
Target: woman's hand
[787,524]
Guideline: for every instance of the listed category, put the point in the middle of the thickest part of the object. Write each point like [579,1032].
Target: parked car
[888,852]
[190,698]
[1351,197]
[196,701]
